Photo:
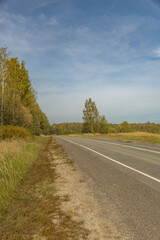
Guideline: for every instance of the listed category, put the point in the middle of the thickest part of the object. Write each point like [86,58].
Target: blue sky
[108,50]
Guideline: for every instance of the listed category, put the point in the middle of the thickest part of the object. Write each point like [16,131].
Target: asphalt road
[126,179]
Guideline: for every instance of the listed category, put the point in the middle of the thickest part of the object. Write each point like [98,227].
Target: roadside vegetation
[16,157]
[134,136]
[21,121]
[35,211]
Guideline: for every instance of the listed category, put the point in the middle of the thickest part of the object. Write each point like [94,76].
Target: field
[134,136]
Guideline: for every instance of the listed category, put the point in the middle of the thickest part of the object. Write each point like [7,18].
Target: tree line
[18,105]
[94,123]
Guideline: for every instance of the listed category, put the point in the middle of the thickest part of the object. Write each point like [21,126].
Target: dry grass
[12,147]
[134,136]
[137,134]
[16,157]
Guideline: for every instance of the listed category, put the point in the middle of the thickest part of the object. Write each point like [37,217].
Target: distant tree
[67,128]
[111,129]
[125,127]
[90,116]
[93,122]
[102,125]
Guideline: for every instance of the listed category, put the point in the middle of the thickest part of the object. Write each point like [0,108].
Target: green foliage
[66,128]
[125,127]
[146,127]
[134,127]
[102,125]
[111,129]
[14,132]
[18,106]
[93,122]
[90,116]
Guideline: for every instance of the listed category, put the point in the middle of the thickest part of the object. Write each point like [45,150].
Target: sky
[107,50]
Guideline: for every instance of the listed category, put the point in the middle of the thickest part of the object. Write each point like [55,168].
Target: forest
[125,127]
[18,105]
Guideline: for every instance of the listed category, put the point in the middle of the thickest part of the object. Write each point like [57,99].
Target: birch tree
[90,116]
[3,79]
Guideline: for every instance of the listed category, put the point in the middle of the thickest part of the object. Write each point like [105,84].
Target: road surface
[126,177]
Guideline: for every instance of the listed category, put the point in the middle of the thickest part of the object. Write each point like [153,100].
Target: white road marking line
[142,149]
[111,159]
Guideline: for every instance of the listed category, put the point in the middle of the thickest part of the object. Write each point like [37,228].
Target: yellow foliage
[14,132]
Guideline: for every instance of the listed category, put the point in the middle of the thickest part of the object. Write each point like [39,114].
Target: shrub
[112,130]
[14,132]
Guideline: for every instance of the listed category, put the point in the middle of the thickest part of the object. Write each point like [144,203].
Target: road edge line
[115,161]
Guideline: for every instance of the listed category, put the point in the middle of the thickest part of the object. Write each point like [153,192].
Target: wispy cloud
[41,3]
[156,52]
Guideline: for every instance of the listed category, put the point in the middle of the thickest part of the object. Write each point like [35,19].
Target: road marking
[142,149]
[113,160]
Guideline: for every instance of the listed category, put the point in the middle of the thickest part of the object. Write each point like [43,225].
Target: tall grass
[16,157]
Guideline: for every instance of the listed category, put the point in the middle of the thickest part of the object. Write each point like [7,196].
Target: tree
[18,105]
[3,79]
[90,116]
[102,125]
[125,127]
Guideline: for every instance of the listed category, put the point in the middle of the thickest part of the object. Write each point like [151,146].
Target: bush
[14,132]
[112,130]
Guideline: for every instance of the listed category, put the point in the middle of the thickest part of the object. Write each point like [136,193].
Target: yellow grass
[134,136]
[11,146]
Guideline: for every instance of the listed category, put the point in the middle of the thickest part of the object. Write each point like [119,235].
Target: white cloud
[156,52]
[52,21]
[41,3]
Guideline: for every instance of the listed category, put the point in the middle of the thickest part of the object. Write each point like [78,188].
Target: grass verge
[135,136]
[16,157]
[35,212]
